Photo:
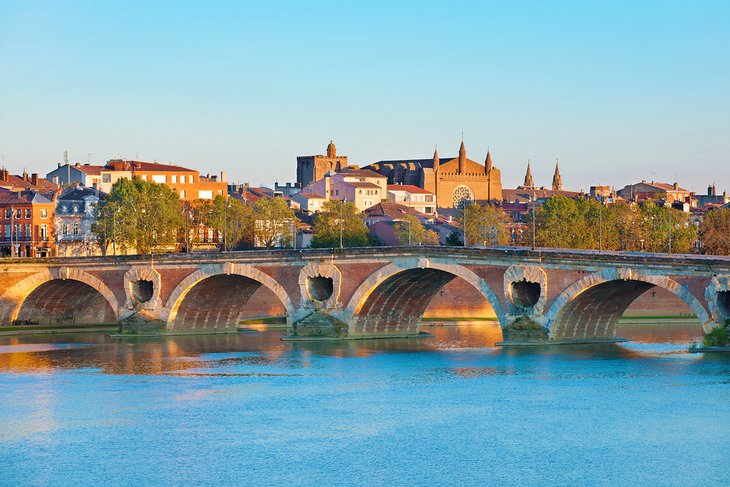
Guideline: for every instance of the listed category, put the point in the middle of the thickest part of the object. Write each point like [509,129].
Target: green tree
[431,237]
[409,231]
[275,223]
[138,214]
[235,222]
[335,217]
[485,225]
[453,239]
[656,221]
[714,232]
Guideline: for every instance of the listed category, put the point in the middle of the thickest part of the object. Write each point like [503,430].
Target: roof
[363,173]
[89,169]
[392,210]
[311,196]
[79,193]
[408,188]
[663,186]
[359,184]
[525,194]
[16,183]
[7,196]
[147,166]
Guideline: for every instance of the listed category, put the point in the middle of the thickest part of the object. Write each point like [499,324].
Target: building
[653,190]
[26,224]
[712,198]
[382,217]
[453,181]
[363,187]
[188,183]
[24,182]
[75,174]
[73,220]
[313,168]
[309,202]
[409,195]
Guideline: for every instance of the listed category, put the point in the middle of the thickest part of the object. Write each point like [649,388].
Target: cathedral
[454,181]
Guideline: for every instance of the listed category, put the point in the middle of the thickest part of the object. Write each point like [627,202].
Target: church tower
[557,180]
[462,158]
[435,160]
[528,183]
[331,150]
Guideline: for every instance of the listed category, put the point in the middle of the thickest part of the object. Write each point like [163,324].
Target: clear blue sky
[619,91]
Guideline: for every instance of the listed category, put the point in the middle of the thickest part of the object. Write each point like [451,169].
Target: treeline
[148,217]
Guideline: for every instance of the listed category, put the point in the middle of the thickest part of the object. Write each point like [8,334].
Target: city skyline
[617,92]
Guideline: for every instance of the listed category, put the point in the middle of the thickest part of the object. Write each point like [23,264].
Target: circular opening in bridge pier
[723,303]
[525,293]
[320,288]
[142,290]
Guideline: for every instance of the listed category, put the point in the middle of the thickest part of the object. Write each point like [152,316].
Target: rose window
[462,196]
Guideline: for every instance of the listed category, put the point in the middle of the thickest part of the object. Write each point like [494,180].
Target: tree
[431,237]
[339,218]
[656,232]
[275,223]
[138,214]
[714,232]
[409,231]
[454,239]
[235,222]
[485,225]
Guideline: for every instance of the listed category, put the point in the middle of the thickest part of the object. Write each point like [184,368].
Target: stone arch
[227,269]
[593,306]
[417,281]
[148,274]
[12,300]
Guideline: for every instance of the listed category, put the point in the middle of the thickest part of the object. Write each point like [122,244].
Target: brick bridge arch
[593,306]
[249,280]
[66,291]
[393,298]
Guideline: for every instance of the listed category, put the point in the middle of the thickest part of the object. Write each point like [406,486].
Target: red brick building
[26,224]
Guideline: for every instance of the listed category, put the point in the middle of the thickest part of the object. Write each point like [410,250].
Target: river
[451,409]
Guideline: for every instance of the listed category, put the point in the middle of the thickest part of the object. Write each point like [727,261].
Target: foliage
[337,216]
[231,218]
[714,232]
[431,237]
[717,337]
[485,225]
[587,224]
[409,231]
[138,214]
[453,239]
[275,223]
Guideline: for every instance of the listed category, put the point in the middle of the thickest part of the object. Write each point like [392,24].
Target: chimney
[34,179]
[676,186]
[4,175]
[223,177]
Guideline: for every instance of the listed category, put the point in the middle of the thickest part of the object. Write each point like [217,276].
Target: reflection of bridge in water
[365,292]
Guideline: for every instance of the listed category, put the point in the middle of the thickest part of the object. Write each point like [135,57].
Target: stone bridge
[543,294]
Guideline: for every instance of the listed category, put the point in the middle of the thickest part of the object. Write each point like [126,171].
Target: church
[454,181]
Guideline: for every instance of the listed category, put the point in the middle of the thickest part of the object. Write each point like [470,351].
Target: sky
[618,91]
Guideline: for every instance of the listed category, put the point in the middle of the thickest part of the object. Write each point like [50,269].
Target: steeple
[488,163]
[331,150]
[528,183]
[435,160]
[557,180]
[462,157]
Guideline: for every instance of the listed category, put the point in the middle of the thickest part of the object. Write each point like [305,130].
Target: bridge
[536,295]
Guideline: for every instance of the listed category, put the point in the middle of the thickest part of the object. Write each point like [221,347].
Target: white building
[414,197]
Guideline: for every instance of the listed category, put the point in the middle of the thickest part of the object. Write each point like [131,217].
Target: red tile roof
[408,188]
[90,170]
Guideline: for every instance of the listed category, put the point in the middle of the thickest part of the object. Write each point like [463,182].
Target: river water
[88,409]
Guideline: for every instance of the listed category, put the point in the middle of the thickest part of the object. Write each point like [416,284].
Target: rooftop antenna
[89,158]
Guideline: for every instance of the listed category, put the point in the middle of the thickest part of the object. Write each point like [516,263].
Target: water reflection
[261,347]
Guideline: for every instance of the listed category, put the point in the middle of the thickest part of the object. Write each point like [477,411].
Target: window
[7,231]
[106,178]
[44,232]
[76,208]
[44,213]
[8,213]
[27,213]
[205,194]
[27,233]
[182,194]
[182,179]
[190,179]
[17,213]
[64,229]
[173,178]
[76,228]
[159,178]
[144,177]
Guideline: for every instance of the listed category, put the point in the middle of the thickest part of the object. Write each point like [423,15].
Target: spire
[528,183]
[462,157]
[331,150]
[557,180]
[435,159]
[488,163]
